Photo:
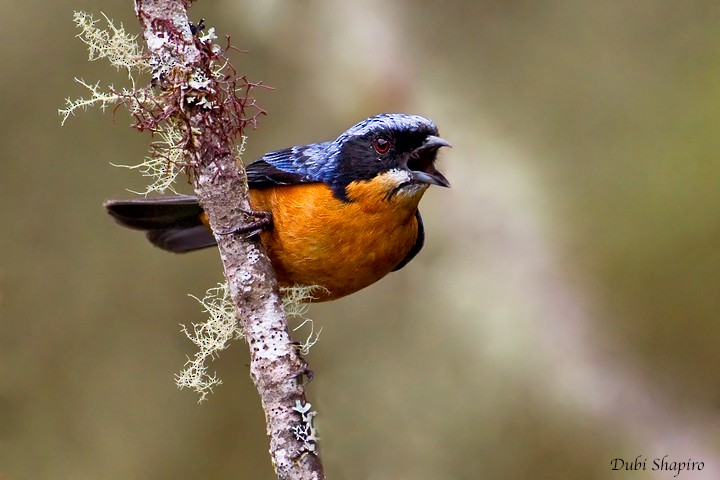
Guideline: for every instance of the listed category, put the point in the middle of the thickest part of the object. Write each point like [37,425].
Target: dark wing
[156,213]
[261,174]
[419,242]
[171,223]
[290,166]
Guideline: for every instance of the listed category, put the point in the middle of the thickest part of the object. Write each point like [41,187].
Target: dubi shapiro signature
[664,463]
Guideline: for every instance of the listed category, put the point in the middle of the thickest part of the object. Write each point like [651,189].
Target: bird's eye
[382,145]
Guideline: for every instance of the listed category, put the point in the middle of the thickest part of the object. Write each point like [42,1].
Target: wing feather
[419,242]
[290,166]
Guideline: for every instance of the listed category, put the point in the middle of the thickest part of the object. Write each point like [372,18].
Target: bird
[339,215]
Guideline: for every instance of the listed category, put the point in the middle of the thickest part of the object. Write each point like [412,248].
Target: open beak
[422,162]
[433,142]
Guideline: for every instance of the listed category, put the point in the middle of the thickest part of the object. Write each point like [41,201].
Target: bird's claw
[303,371]
[260,221]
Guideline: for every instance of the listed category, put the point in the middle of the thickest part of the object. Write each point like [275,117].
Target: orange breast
[317,239]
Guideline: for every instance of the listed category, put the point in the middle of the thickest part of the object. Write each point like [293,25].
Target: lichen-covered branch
[212,115]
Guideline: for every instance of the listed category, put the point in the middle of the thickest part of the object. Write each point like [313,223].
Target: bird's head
[396,152]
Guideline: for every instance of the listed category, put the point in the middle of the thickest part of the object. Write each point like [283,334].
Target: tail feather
[172,223]
[181,240]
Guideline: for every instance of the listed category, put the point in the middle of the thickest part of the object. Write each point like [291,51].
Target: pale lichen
[158,106]
[295,301]
[222,326]
[305,431]
[211,337]
[113,43]
[122,51]
[161,170]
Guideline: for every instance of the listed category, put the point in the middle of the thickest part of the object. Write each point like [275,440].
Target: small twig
[211,120]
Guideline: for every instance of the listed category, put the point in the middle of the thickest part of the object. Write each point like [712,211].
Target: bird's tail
[172,223]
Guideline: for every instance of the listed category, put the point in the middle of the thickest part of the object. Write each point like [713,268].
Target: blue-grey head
[402,148]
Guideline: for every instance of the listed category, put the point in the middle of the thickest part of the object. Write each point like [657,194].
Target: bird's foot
[303,371]
[259,222]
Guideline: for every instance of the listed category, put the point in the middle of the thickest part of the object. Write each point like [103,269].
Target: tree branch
[221,188]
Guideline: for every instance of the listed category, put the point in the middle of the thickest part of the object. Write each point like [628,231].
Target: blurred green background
[563,313]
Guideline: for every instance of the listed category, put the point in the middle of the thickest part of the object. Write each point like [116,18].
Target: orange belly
[343,247]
